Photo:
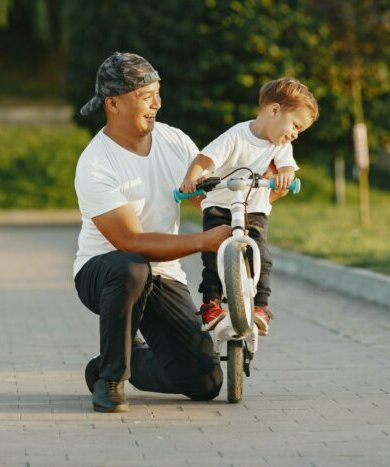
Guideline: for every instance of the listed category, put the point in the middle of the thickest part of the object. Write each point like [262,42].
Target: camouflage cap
[119,74]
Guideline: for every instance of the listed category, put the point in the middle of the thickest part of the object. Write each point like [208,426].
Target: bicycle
[237,328]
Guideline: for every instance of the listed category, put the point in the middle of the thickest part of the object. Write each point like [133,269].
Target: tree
[31,41]
[42,19]
[357,47]
[213,56]
[164,33]
[5,7]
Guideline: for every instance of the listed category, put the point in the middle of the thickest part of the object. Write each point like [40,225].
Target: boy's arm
[270,173]
[194,172]
[276,194]
[196,201]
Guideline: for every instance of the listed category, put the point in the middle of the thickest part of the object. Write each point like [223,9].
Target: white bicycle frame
[224,330]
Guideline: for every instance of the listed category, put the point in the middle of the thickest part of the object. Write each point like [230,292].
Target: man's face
[138,109]
[285,125]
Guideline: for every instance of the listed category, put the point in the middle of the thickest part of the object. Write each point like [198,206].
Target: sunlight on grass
[334,233]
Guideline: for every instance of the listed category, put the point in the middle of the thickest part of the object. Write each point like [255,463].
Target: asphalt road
[319,393]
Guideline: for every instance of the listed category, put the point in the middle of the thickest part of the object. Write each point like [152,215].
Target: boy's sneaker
[212,313]
[109,396]
[263,316]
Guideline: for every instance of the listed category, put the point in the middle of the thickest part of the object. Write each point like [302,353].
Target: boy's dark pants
[179,357]
[257,225]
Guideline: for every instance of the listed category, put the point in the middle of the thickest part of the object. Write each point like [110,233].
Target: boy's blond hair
[290,94]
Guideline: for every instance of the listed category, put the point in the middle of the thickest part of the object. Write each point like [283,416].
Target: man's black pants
[257,225]
[179,358]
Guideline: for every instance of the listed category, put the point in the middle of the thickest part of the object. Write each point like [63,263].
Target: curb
[36,114]
[38,217]
[359,283]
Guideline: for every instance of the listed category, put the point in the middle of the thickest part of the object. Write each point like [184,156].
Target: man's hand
[122,229]
[214,237]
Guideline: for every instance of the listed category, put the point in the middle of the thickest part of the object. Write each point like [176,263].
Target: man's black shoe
[109,396]
[91,372]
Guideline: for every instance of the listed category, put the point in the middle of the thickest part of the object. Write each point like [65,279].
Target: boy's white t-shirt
[238,147]
[109,176]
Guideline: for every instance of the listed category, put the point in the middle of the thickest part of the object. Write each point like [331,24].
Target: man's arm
[123,230]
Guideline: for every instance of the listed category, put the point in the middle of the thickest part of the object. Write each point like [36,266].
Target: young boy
[286,108]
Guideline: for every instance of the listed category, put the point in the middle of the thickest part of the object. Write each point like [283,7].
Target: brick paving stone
[318,394]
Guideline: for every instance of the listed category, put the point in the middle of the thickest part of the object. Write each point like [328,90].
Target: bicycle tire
[235,370]
[236,267]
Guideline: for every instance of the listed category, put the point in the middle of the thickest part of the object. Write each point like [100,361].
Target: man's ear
[111,105]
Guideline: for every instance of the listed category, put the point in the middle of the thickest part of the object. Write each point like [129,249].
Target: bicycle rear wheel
[235,369]
[239,298]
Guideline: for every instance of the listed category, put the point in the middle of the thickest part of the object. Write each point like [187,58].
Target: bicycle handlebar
[294,187]
[209,183]
[179,195]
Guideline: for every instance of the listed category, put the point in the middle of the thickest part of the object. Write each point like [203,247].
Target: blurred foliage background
[213,56]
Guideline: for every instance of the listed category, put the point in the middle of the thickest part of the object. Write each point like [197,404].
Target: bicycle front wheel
[238,294]
[235,368]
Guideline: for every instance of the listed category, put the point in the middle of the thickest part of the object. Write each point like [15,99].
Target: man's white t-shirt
[109,176]
[238,147]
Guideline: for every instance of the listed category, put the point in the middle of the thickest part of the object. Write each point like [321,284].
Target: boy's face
[284,126]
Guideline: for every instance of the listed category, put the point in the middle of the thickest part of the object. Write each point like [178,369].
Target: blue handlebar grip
[179,195]
[294,187]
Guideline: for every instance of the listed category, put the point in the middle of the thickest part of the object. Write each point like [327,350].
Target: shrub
[37,166]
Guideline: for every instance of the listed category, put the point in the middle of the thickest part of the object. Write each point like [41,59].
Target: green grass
[334,233]
[310,223]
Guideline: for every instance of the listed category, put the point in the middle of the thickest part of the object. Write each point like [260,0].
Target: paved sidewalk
[319,393]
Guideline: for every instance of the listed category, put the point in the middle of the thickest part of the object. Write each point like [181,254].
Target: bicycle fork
[224,330]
